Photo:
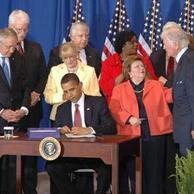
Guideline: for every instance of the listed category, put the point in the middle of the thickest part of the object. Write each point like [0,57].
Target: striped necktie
[19,48]
[6,70]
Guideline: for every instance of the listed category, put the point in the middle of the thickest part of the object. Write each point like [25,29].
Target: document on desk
[69,135]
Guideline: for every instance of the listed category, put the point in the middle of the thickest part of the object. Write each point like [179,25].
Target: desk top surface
[98,139]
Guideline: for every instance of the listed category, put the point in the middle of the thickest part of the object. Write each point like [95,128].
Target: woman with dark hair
[140,107]
[112,68]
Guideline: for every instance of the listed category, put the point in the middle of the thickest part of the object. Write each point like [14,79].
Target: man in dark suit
[79,34]
[160,63]
[176,45]
[94,118]
[37,75]
[14,99]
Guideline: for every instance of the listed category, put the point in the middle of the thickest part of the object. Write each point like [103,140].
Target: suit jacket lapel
[88,55]
[88,111]
[68,115]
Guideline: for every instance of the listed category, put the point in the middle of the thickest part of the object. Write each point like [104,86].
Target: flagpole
[76,8]
[120,15]
[188,14]
[153,24]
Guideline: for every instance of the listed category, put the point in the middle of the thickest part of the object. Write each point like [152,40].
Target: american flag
[150,39]
[119,22]
[78,16]
[186,19]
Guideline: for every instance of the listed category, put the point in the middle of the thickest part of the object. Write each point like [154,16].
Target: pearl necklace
[138,91]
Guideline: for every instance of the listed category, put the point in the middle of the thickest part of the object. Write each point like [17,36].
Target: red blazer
[111,68]
[123,103]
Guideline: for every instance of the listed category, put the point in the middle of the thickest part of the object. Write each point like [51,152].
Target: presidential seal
[49,148]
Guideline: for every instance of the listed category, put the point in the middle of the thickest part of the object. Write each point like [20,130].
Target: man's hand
[81,130]
[65,130]
[192,134]
[9,115]
[35,97]
[162,79]
[20,113]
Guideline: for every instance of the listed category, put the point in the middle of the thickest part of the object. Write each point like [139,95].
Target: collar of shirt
[82,55]
[22,44]
[6,60]
[181,52]
[81,109]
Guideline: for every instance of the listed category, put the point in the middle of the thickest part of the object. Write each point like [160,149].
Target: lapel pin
[87,108]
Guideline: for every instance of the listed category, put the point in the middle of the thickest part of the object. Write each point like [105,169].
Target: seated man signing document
[80,115]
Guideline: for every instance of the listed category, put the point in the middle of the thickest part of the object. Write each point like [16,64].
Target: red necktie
[170,67]
[19,48]
[77,117]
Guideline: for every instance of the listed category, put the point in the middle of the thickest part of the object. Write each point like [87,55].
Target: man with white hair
[14,101]
[176,45]
[79,35]
[37,75]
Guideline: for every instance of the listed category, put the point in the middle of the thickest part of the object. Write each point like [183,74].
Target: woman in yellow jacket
[140,107]
[53,92]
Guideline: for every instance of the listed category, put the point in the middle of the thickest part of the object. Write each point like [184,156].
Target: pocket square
[87,109]
[179,82]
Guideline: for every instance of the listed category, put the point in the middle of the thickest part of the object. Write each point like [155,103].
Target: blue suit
[183,97]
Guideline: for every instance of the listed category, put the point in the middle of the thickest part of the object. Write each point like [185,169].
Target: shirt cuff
[92,130]
[25,109]
[1,111]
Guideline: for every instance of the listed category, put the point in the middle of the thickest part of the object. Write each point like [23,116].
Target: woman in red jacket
[140,107]
[112,68]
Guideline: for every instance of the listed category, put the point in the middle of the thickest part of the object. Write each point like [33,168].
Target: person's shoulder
[90,48]
[31,43]
[64,105]
[58,67]
[112,59]
[94,99]
[85,67]
[153,83]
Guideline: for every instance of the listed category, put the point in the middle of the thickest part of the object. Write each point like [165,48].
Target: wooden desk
[108,148]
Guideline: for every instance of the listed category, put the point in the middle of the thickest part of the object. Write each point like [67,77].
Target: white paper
[69,135]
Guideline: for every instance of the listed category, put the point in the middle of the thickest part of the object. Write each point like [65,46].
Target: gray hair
[18,15]
[7,32]
[75,25]
[175,34]
[170,24]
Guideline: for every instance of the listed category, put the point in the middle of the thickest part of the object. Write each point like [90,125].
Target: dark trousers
[8,175]
[60,170]
[171,149]
[153,155]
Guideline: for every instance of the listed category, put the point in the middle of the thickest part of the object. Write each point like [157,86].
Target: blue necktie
[6,70]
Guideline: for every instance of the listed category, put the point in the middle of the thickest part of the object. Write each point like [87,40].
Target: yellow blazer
[53,92]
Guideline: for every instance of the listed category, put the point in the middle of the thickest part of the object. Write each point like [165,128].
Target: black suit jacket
[158,59]
[183,97]
[97,115]
[37,76]
[92,57]
[18,94]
